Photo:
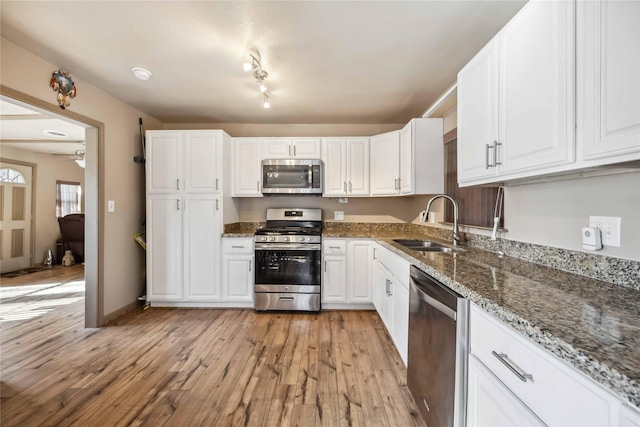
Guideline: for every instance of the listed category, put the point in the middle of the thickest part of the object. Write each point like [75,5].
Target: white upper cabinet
[247,173]
[608,83]
[346,166]
[385,164]
[182,161]
[421,157]
[291,148]
[478,114]
[409,161]
[535,98]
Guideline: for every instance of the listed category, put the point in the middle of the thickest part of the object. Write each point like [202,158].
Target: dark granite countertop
[590,324]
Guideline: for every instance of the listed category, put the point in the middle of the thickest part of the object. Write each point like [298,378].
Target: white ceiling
[328,61]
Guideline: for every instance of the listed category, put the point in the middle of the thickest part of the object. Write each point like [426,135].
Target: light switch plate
[111,205]
[609,227]
[338,215]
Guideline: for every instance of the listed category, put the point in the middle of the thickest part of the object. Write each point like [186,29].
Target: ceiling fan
[78,157]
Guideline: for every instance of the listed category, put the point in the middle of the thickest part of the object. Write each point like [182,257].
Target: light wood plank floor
[196,367]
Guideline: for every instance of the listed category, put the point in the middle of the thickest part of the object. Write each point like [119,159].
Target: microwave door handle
[310,173]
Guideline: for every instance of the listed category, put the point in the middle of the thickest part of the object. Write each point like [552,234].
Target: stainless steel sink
[426,246]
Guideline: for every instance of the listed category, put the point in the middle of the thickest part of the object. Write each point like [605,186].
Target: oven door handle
[287,247]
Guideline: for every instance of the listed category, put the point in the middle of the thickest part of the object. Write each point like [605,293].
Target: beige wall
[124,180]
[48,171]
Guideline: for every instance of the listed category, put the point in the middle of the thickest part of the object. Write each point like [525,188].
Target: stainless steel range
[288,260]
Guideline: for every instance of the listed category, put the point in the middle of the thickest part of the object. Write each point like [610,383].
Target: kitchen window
[68,198]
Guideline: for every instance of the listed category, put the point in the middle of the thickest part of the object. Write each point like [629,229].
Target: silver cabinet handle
[390,287]
[177,204]
[258,186]
[289,151]
[496,144]
[249,265]
[399,183]
[178,184]
[350,187]
[487,165]
[345,186]
[294,151]
[375,253]
[217,205]
[395,184]
[216,183]
[513,367]
[237,247]
[325,266]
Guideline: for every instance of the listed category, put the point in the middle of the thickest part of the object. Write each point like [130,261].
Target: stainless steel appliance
[438,350]
[292,176]
[288,260]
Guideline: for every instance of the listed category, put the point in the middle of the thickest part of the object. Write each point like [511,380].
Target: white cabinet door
[202,247]
[203,161]
[406,159]
[385,297]
[492,404]
[335,166]
[164,162]
[358,166]
[164,248]
[306,148]
[276,148]
[247,163]
[536,104]
[238,277]
[360,271]
[401,319]
[385,164]
[334,279]
[608,82]
[629,417]
[478,114]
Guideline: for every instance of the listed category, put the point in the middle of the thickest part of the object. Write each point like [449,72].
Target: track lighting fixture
[259,74]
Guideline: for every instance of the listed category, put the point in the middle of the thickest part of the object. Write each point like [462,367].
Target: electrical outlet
[609,227]
[338,215]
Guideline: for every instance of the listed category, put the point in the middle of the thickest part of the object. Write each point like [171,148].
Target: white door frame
[94,200]
[32,224]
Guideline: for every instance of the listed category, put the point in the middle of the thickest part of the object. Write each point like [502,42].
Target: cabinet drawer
[334,247]
[398,266]
[555,391]
[231,245]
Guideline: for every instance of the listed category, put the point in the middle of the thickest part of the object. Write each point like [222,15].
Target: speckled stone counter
[242,229]
[591,324]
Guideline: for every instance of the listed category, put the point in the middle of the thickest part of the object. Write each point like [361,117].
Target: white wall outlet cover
[338,215]
[111,205]
[343,200]
[610,228]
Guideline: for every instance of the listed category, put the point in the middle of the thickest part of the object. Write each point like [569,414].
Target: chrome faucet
[456,231]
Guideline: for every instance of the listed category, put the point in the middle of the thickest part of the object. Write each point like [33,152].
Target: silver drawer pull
[237,247]
[513,367]
[286,298]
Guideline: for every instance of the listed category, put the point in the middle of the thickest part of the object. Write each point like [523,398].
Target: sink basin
[426,246]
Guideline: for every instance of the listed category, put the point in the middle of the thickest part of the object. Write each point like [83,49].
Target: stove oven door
[288,268]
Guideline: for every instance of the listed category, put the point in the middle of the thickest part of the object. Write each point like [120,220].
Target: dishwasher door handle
[435,303]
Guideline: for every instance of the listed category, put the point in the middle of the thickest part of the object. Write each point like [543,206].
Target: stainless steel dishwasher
[438,351]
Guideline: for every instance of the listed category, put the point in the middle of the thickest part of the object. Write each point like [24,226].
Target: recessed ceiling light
[141,73]
[55,133]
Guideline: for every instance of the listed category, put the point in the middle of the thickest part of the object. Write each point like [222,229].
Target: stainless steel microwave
[292,176]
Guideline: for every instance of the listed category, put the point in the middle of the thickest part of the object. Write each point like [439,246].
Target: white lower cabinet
[392,298]
[513,381]
[238,271]
[493,404]
[347,273]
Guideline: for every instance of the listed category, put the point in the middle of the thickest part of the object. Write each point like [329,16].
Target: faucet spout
[456,231]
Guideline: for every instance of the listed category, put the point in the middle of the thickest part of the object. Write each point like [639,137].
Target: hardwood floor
[199,367]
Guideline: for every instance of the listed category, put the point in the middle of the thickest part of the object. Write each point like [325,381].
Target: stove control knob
[263,238]
[286,239]
[272,239]
[302,239]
